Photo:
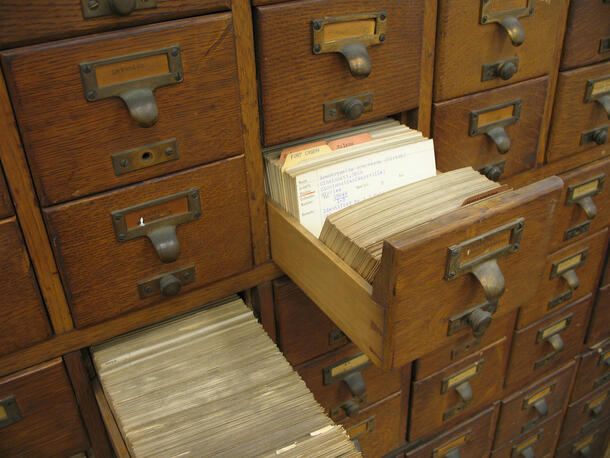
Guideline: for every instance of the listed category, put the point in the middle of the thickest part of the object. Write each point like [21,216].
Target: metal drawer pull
[571,279]
[581,194]
[514,29]
[454,453]
[465,391]
[597,410]
[355,383]
[598,90]
[351,408]
[585,451]
[527,452]
[492,122]
[508,19]
[541,407]
[556,342]
[566,268]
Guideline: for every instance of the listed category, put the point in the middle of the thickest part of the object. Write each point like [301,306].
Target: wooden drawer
[77,147]
[300,85]
[576,114]
[464,346]
[592,444]
[304,332]
[587,38]
[548,343]
[584,206]
[464,387]
[526,410]
[409,310]
[493,128]
[586,414]
[345,381]
[45,20]
[539,442]
[6,207]
[23,319]
[471,438]
[600,317]
[593,370]
[109,267]
[570,273]
[38,414]
[378,427]
[470,40]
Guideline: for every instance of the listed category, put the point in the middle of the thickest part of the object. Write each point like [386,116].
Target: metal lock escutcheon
[492,122]
[99,8]
[508,19]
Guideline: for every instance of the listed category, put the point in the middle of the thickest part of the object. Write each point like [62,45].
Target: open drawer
[425,294]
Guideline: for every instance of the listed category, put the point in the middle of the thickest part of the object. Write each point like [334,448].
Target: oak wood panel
[295,83]
[479,429]
[598,440]
[588,22]
[45,20]
[28,210]
[387,433]
[23,320]
[517,416]
[528,348]
[572,115]
[600,317]
[464,46]
[579,418]
[69,141]
[250,127]
[264,308]
[79,338]
[465,345]
[454,146]
[303,329]
[379,383]
[430,404]
[50,423]
[411,277]
[542,439]
[424,108]
[555,292]
[114,434]
[101,274]
[6,206]
[593,370]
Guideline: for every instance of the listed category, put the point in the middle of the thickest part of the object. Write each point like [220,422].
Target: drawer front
[6,207]
[461,388]
[570,273]
[548,343]
[471,438]
[39,415]
[77,147]
[23,319]
[580,121]
[584,206]
[45,20]
[587,38]
[587,414]
[307,85]
[471,43]
[538,442]
[304,332]
[464,346]
[345,382]
[600,317]
[113,261]
[525,411]
[495,130]
[593,443]
[377,428]
[593,371]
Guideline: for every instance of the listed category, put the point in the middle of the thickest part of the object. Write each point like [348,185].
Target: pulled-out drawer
[116,108]
[38,413]
[425,296]
[494,131]
[326,64]
[6,207]
[586,414]
[600,317]
[539,442]
[147,243]
[593,370]
[483,44]
[526,410]
[570,273]
[548,343]
[581,112]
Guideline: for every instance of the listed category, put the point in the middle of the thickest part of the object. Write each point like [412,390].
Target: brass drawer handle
[556,342]
[508,19]
[541,407]
[452,448]
[350,371]
[598,90]
[566,268]
[465,391]
[527,452]
[492,122]
[571,279]
[582,193]
[551,335]
[514,29]
[123,7]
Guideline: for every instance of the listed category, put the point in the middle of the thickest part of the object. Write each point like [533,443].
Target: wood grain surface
[454,146]
[579,419]
[295,83]
[6,206]
[69,141]
[598,328]
[543,439]
[592,370]
[101,274]
[599,441]
[45,20]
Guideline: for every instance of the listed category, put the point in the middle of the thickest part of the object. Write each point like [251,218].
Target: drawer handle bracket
[598,90]
[485,121]
[508,19]
[9,412]
[581,194]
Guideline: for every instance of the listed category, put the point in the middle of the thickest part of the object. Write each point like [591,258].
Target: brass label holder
[460,381]
[582,193]
[538,402]
[168,284]
[157,220]
[598,90]
[133,78]
[100,8]
[9,412]
[525,448]
[566,268]
[448,449]
[508,19]
[352,48]
[584,445]
[144,156]
[361,429]
[495,129]
[349,371]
